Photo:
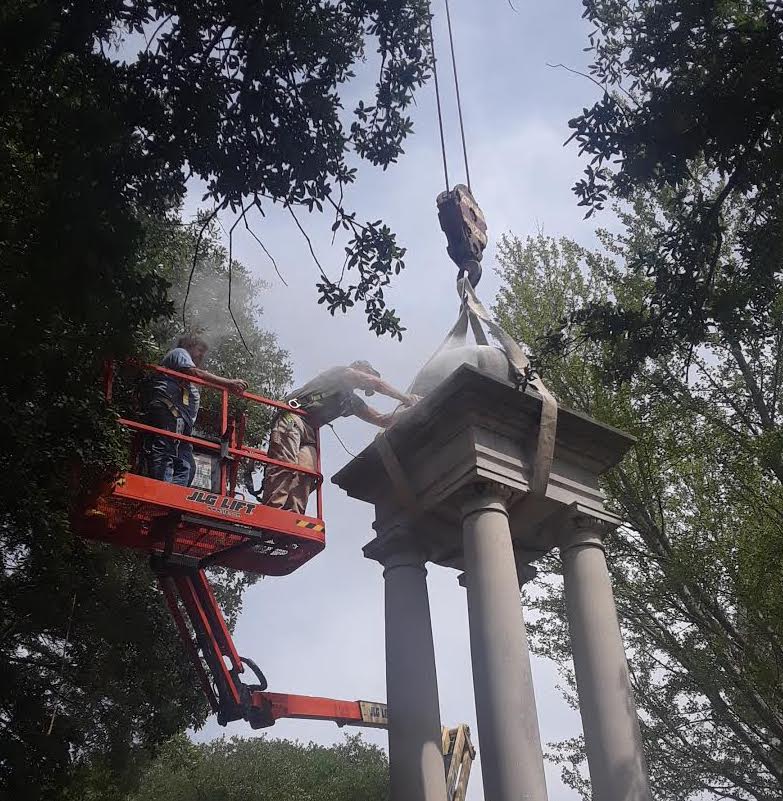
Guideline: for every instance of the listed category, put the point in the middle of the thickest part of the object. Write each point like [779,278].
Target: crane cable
[437,99]
[457,92]
[459,102]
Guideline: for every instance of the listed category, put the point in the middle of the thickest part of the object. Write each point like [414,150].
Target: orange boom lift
[188,529]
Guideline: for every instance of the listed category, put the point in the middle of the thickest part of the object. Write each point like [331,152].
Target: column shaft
[613,741]
[509,741]
[415,757]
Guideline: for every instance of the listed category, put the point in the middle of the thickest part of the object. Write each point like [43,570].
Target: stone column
[415,756]
[618,771]
[512,763]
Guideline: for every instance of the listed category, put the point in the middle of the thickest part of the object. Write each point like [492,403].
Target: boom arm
[343,713]
[219,666]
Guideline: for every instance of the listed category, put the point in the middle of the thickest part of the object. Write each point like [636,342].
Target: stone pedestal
[502,679]
[454,472]
[415,758]
[611,728]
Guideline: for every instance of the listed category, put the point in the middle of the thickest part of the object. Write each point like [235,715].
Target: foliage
[86,641]
[106,110]
[693,106]
[71,294]
[697,567]
[261,769]
[247,98]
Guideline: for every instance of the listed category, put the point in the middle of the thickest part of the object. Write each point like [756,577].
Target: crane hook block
[463,222]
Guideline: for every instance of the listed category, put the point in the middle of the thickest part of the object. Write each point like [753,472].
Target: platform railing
[229,446]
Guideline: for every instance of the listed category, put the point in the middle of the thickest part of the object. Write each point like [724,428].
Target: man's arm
[373,416]
[362,380]
[235,385]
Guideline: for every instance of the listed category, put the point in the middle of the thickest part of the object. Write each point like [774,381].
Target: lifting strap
[405,494]
[547,427]
[473,312]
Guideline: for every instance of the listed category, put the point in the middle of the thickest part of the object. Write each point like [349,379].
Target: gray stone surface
[512,763]
[487,358]
[474,427]
[415,758]
[475,432]
[611,727]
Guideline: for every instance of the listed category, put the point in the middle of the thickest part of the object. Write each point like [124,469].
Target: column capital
[485,495]
[396,547]
[405,557]
[577,527]
[525,574]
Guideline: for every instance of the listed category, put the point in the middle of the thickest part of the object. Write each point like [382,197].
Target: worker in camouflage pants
[329,395]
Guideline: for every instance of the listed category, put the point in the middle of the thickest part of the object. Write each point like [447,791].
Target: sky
[320,630]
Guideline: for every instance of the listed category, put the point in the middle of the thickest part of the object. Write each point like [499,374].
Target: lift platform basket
[218,526]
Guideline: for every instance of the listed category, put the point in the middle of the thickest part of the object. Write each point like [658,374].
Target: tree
[261,769]
[246,98]
[106,110]
[93,673]
[692,105]
[696,568]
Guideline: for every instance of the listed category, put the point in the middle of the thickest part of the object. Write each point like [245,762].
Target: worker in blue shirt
[173,406]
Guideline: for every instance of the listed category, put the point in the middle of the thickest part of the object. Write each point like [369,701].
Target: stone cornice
[396,546]
[470,397]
